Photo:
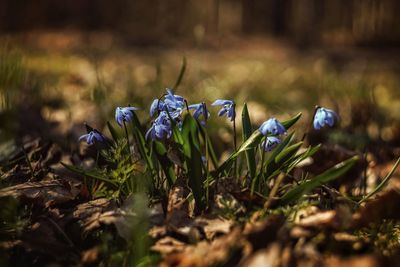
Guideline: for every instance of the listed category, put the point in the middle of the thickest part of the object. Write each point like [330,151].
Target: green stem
[235,169]
[382,184]
[127,140]
[311,124]
[207,159]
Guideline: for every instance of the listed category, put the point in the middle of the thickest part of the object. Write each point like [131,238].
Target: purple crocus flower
[228,108]
[200,109]
[272,126]
[124,114]
[270,142]
[324,116]
[161,128]
[92,137]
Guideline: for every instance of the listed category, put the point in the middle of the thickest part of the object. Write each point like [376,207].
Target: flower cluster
[173,104]
[271,128]
[169,109]
[161,128]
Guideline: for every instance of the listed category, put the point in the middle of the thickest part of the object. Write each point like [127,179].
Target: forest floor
[51,218]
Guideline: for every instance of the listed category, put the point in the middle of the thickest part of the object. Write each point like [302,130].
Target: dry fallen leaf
[383,206]
[46,193]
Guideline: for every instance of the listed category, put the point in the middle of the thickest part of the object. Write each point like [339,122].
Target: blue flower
[156,106]
[161,128]
[92,137]
[200,109]
[324,116]
[174,104]
[272,126]
[270,142]
[124,114]
[228,108]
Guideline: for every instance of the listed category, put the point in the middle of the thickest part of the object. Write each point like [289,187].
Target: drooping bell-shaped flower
[200,110]
[228,108]
[161,128]
[272,126]
[124,114]
[270,142]
[324,116]
[92,137]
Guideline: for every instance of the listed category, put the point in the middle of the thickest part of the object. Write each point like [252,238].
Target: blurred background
[63,63]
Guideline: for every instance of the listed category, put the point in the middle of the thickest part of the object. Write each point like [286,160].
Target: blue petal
[317,126]
[263,128]
[222,112]
[194,106]
[83,137]
[149,132]
[231,113]
[220,102]
[197,113]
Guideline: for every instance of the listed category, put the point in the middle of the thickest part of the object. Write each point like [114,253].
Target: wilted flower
[161,128]
[272,126]
[324,116]
[124,114]
[270,142]
[228,108]
[92,137]
[200,109]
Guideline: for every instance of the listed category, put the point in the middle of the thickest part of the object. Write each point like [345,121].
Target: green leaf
[382,184]
[181,74]
[166,163]
[89,173]
[142,145]
[333,173]
[252,142]
[287,153]
[113,132]
[302,156]
[250,153]
[289,123]
[193,160]
[211,150]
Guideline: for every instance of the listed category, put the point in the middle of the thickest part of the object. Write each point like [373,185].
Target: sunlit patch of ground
[94,73]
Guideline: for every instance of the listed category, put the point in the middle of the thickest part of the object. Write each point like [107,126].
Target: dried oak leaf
[270,256]
[178,206]
[383,206]
[46,193]
[96,212]
[362,261]
[206,253]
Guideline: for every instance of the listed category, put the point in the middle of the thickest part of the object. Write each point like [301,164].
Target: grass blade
[181,74]
[166,163]
[382,184]
[247,130]
[333,173]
